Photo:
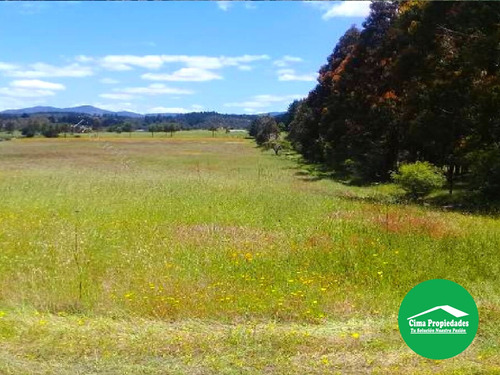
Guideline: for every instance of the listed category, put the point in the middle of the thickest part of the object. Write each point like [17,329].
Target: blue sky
[147,57]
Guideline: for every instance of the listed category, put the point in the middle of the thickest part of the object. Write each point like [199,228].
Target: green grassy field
[204,255]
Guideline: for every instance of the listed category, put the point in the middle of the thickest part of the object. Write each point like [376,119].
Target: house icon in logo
[450,310]
[438,319]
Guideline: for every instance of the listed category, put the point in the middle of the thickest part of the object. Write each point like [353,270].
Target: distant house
[80,128]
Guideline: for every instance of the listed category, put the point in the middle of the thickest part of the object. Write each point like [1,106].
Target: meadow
[193,254]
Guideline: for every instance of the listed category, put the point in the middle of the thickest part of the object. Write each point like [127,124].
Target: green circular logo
[438,319]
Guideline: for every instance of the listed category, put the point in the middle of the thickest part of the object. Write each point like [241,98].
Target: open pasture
[204,255]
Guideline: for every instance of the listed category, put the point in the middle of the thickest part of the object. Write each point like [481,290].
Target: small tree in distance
[213,129]
[127,127]
[171,128]
[264,129]
[154,129]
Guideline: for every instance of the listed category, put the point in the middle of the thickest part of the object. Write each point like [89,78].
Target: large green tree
[420,81]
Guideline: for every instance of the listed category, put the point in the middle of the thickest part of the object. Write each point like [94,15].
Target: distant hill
[192,120]
[31,110]
[91,110]
[128,114]
[85,109]
[202,120]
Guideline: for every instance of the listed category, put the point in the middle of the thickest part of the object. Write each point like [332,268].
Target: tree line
[53,124]
[419,82]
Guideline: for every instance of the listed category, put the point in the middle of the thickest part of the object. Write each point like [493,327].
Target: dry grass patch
[403,220]
[45,343]
[233,236]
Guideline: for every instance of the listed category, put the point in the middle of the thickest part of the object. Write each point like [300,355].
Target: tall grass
[195,227]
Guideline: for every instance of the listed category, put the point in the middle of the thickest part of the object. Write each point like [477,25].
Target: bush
[50,132]
[28,132]
[419,179]
[485,171]
[278,146]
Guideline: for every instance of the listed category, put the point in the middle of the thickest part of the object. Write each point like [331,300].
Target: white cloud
[116,107]
[211,62]
[286,60]
[277,98]
[224,5]
[342,8]
[128,62]
[245,67]
[348,9]
[37,85]
[260,102]
[154,89]
[203,62]
[235,61]
[193,108]
[18,92]
[41,70]
[117,96]
[125,62]
[84,59]
[290,75]
[168,110]
[129,93]
[7,66]
[109,81]
[184,74]
[30,89]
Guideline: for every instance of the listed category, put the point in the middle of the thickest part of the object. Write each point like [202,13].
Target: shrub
[419,179]
[485,171]
[50,132]
[277,146]
[28,131]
